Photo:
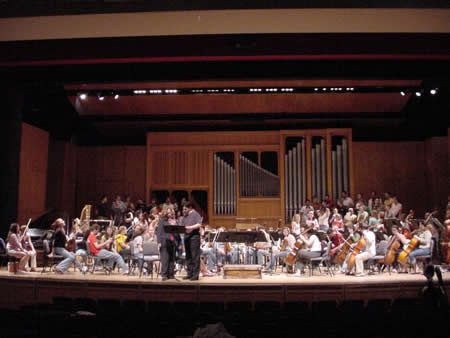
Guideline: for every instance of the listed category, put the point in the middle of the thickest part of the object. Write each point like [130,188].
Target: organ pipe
[318,171]
[345,163]
[323,174]
[313,171]
[299,177]
[294,179]
[303,172]
[224,187]
[339,168]
[333,175]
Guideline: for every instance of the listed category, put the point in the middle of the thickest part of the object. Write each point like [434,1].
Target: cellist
[424,245]
[369,250]
[312,249]
[403,240]
[355,236]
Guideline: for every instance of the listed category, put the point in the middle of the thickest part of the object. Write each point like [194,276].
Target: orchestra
[354,238]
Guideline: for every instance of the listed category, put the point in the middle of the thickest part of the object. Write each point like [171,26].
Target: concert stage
[17,290]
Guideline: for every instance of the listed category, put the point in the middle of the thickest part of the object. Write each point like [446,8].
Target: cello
[355,251]
[412,245]
[290,259]
[393,246]
[346,247]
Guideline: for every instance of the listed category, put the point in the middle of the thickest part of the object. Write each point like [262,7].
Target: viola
[355,251]
[403,256]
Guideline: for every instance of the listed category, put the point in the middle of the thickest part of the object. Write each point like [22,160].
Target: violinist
[263,248]
[369,250]
[336,239]
[286,246]
[207,253]
[311,221]
[107,239]
[59,248]
[295,225]
[424,248]
[312,249]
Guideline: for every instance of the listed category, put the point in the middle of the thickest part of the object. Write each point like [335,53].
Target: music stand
[247,237]
[175,229]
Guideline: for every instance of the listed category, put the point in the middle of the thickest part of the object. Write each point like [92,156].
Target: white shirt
[348,202]
[370,242]
[323,219]
[295,228]
[396,208]
[316,246]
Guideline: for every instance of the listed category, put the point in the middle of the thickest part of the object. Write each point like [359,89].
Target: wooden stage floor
[17,290]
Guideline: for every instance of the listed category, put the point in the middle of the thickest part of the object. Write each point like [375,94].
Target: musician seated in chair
[424,248]
[404,241]
[208,253]
[98,250]
[354,236]
[262,249]
[28,246]
[15,249]
[312,249]
[59,248]
[285,248]
[369,250]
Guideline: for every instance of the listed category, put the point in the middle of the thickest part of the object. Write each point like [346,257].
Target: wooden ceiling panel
[238,104]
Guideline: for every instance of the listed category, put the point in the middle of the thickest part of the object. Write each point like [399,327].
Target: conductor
[192,221]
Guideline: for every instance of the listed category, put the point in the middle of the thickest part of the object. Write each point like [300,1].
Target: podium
[242,270]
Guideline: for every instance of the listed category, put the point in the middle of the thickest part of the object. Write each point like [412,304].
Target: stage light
[402,93]
[83,96]
[116,96]
[316,89]
[418,94]
[101,98]
[433,91]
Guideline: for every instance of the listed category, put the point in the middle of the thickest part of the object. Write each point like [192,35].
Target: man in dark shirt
[192,221]
[103,208]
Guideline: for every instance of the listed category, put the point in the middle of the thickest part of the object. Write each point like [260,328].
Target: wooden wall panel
[398,167]
[109,170]
[61,185]
[437,163]
[32,173]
